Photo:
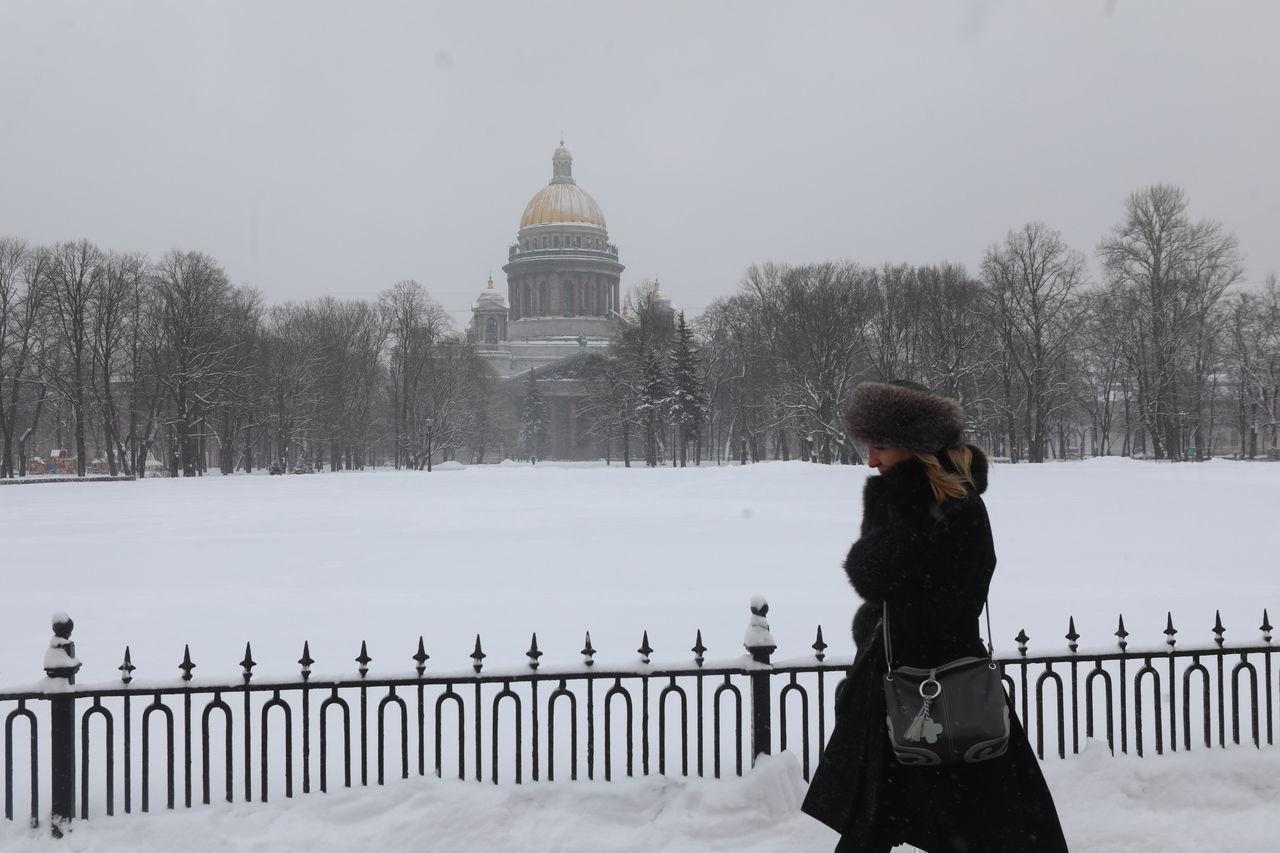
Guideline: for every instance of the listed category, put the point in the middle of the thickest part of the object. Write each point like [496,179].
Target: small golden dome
[489,295]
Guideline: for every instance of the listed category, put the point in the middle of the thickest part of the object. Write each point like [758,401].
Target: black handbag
[953,713]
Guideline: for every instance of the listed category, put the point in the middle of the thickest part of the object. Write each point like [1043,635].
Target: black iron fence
[136,745]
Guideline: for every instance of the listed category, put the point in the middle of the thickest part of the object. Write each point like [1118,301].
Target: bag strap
[888,642]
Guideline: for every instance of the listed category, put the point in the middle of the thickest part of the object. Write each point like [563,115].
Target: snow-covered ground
[505,551]
[1217,802]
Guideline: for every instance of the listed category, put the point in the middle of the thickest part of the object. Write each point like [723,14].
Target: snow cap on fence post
[758,640]
[60,658]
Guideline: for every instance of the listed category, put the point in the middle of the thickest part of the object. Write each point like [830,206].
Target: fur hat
[903,414]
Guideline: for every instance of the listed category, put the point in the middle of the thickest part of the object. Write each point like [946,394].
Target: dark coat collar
[907,484]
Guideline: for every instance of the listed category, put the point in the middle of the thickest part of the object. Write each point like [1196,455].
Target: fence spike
[588,652]
[305,661]
[1122,633]
[1022,641]
[1218,630]
[698,649]
[644,649]
[1265,627]
[248,663]
[420,657]
[1169,630]
[819,647]
[1071,634]
[126,668]
[533,652]
[364,659]
[477,656]
[186,666]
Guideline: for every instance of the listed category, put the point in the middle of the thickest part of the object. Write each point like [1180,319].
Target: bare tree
[818,318]
[23,274]
[291,371]
[350,336]
[1252,356]
[741,376]
[953,353]
[1100,369]
[74,274]
[113,312]
[196,354]
[1168,273]
[414,323]
[1032,280]
[237,409]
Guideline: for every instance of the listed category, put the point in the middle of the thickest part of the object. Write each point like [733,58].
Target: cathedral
[563,303]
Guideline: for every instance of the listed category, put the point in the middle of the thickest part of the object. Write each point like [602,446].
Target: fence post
[759,642]
[60,664]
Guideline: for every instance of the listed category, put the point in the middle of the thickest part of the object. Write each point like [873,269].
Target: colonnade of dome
[562,295]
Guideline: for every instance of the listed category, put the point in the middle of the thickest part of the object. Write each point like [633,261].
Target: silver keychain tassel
[915,731]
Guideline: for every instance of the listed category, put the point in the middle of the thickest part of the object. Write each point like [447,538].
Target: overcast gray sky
[335,148]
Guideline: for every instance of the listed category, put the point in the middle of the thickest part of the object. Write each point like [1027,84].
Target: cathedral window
[556,242]
[491,331]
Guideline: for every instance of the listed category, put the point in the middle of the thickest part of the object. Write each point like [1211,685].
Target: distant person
[925,557]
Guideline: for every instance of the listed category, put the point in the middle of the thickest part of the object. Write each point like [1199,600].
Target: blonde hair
[946,484]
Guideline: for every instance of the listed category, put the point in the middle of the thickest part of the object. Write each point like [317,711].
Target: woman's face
[884,458]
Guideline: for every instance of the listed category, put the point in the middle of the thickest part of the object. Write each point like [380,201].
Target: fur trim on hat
[902,414]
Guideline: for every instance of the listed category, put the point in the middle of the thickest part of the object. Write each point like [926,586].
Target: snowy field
[505,551]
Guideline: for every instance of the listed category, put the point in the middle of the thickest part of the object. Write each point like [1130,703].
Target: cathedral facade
[562,304]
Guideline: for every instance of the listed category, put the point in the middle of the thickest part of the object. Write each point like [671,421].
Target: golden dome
[562,200]
[562,203]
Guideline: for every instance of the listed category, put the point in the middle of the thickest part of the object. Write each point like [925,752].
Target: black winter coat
[932,563]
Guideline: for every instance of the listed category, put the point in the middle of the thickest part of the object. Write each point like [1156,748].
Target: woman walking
[924,558]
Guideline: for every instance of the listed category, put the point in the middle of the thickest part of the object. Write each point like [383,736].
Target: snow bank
[1206,801]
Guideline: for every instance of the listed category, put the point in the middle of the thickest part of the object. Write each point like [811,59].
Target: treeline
[1159,359]
[167,360]
[166,364]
